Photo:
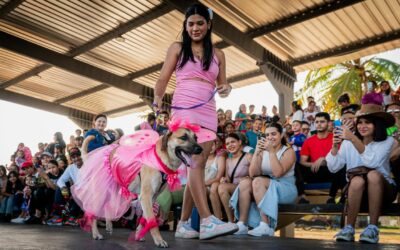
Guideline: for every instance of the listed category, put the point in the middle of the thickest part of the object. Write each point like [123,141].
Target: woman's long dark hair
[380,133]
[186,51]
[280,130]
[18,184]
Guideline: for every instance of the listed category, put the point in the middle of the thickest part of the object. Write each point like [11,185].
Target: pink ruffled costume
[190,92]
[102,186]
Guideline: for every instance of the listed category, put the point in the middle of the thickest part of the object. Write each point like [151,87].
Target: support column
[283,85]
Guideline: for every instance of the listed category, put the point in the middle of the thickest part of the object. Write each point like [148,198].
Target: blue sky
[24,124]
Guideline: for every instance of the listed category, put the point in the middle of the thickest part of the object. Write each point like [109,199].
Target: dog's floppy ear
[164,144]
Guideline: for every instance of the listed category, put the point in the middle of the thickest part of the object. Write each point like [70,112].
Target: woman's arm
[281,167]
[166,71]
[223,87]
[85,143]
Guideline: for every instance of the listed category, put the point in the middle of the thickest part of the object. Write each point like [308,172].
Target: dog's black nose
[197,150]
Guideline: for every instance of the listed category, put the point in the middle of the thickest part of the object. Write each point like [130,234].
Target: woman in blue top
[97,137]
[241,118]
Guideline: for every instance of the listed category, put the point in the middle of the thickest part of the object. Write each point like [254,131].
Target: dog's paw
[161,243]
[97,236]
[109,227]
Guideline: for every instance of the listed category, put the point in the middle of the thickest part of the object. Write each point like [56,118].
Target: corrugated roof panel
[12,64]
[105,100]
[27,35]
[56,83]
[238,62]
[247,16]
[80,20]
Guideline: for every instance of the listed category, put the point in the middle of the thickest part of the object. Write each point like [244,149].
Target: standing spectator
[237,168]
[272,182]
[366,156]
[12,197]
[309,115]
[386,92]
[241,118]
[252,135]
[312,159]
[316,108]
[297,112]
[97,137]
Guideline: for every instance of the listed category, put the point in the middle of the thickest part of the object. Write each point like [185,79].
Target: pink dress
[190,92]
[102,186]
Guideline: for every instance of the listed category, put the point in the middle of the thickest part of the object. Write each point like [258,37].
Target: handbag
[350,174]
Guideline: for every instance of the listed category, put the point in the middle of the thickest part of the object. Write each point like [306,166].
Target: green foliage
[328,83]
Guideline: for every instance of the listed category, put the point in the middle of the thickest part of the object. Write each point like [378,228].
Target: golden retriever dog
[173,149]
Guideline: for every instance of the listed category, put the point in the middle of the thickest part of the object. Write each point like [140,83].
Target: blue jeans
[9,204]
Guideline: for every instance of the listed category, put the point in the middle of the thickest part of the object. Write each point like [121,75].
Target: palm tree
[328,83]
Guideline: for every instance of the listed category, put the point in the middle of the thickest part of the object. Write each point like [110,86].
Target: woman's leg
[355,193]
[225,191]
[260,187]
[215,201]
[375,195]
[196,187]
[246,190]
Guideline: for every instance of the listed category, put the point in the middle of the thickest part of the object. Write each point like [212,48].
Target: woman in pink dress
[200,73]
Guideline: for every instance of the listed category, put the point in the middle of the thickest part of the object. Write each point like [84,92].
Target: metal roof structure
[80,58]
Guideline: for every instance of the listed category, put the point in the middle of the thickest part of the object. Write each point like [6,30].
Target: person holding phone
[366,155]
[271,182]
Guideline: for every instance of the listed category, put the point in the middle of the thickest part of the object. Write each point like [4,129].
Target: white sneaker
[18,220]
[243,229]
[212,227]
[262,230]
[184,230]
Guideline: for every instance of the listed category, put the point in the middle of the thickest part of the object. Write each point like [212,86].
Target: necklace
[198,53]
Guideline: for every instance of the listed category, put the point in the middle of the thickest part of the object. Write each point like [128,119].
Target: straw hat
[374,110]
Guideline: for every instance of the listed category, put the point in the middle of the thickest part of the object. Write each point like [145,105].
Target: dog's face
[181,144]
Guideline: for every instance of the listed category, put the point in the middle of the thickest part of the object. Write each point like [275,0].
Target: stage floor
[46,237]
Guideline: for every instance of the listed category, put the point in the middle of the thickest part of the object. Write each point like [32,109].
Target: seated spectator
[24,215]
[45,158]
[12,197]
[276,116]
[288,131]
[78,132]
[266,119]
[162,122]
[366,157]
[12,165]
[71,142]
[214,171]
[253,134]
[297,139]
[305,128]
[57,139]
[237,168]
[271,182]
[79,142]
[394,110]
[3,182]
[221,122]
[97,137]
[58,152]
[316,108]
[228,115]
[118,133]
[70,176]
[41,149]
[309,115]
[313,164]
[62,163]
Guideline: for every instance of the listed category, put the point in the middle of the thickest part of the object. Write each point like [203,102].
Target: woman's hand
[260,146]
[345,133]
[224,90]
[223,180]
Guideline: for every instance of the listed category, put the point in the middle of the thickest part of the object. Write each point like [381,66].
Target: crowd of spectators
[259,160]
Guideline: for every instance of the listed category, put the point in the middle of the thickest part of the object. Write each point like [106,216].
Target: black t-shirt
[54,178]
